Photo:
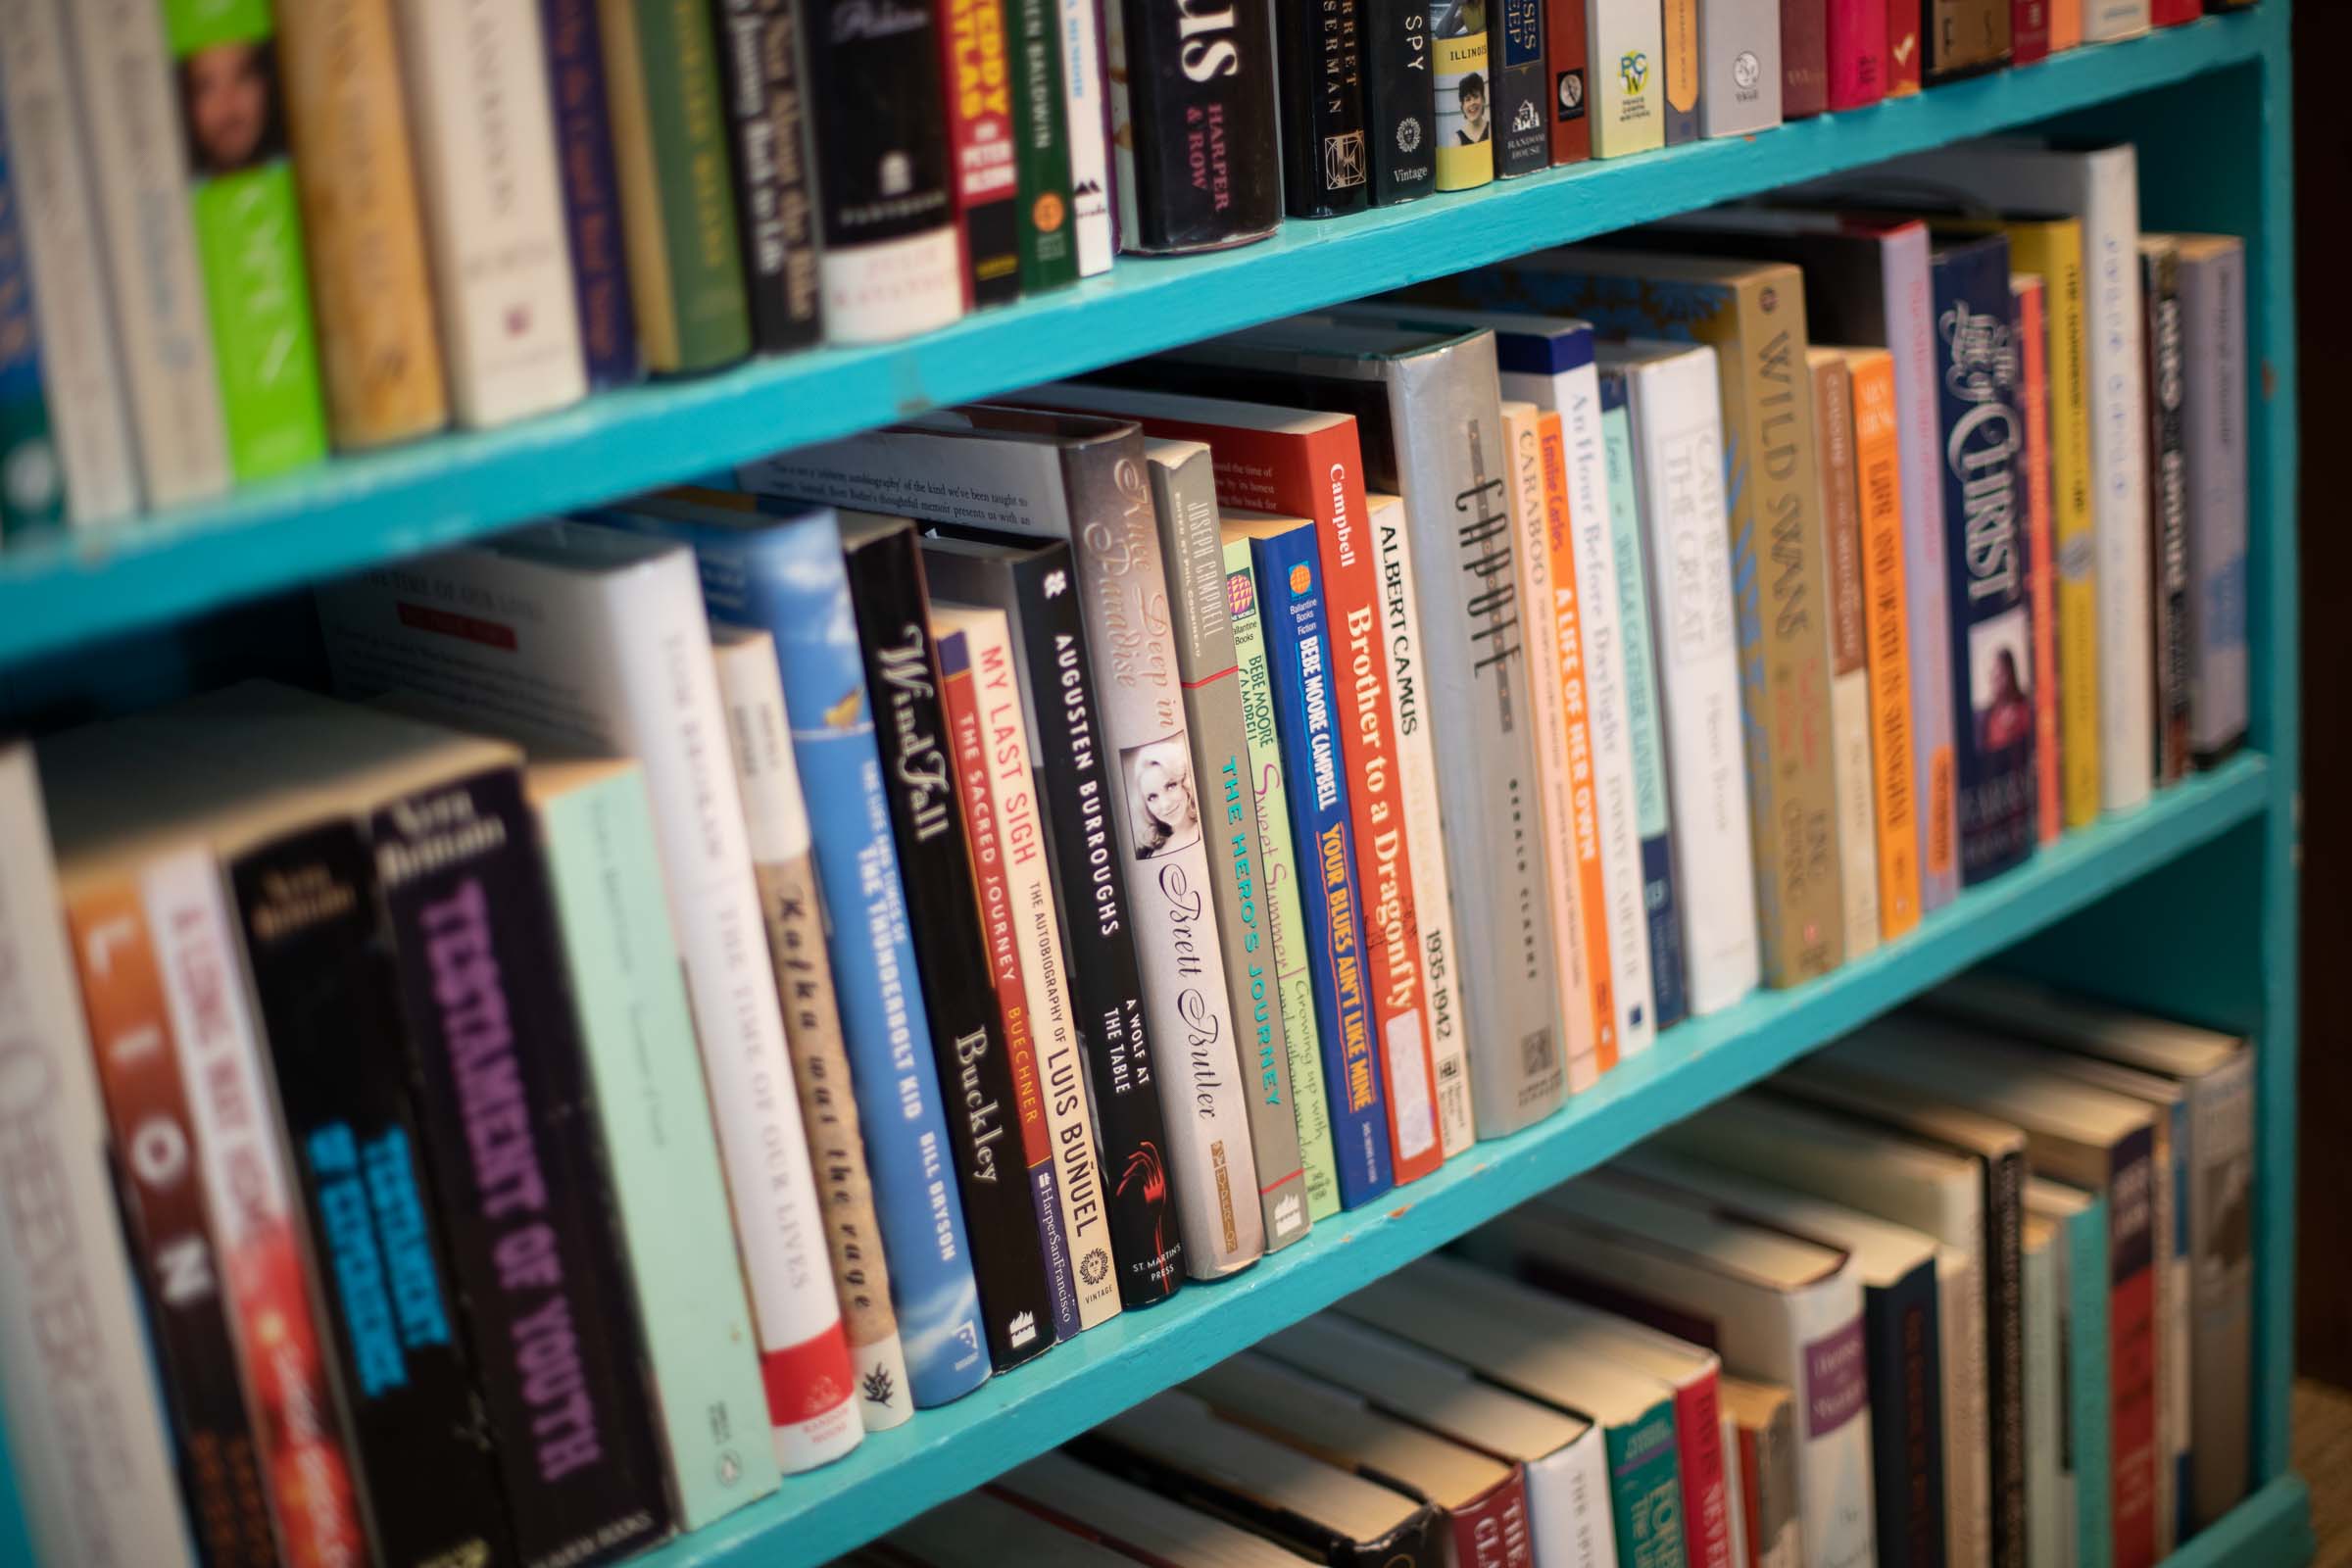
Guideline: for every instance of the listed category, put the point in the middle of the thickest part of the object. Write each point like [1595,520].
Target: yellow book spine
[642,237]
[1465,139]
[1878,468]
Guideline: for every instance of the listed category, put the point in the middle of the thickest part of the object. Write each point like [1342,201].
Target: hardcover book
[1740,58]
[1627,45]
[776,822]
[1462,87]
[766,98]
[1850,675]
[2213,326]
[32,495]
[2082,1286]
[1400,102]
[2029,30]
[2106,21]
[588,613]
[2165,378]
[1320,58]
[984,163]
[1857,57]
[2027,295]
[578,86]
[1048,231]
[1173,76]
[669,1196]
[983,1529]
[1054,678]
[1679,59]
[889,263]
[781,569]
[1565,75]
[1903,55]
[1962,38]
[1805,55]
[1521,86]
[1085,116]
[1140,1524]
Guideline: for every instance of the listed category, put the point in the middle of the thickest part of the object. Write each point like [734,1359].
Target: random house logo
[1633,68]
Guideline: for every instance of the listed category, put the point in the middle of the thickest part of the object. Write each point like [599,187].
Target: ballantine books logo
[1634,70]
[1022,1329]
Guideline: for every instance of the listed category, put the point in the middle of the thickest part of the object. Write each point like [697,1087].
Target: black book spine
[1197,165]
[881,129]
[576,80]
[1400,104]
[1904,1356]
[2168,511]
[926,819]
[330,1005]
[2005,1353]
[503,1092]
[1322,61]
[1105,983]
[1522,91]
[776,208]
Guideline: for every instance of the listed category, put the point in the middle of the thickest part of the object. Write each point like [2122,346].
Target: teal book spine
[2089,1438]
[1645,1489]
[1277,854]
[1049,225]
[676,1234]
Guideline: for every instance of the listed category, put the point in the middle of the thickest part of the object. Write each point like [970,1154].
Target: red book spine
[2173,13]
[1903,47]
[1857,53]
[1804,58]
[983,179]
[1564,50]
[2030,30]
[1492,1532]
[1751,1496]
[2035,388]
[2131,1351]
[1698,1450]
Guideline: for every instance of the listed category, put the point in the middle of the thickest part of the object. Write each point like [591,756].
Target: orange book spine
[2066,25]
[2048,799]
[1878,467]
[1589,894]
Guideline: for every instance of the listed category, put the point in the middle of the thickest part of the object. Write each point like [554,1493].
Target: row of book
[1972,1287]
[232,240]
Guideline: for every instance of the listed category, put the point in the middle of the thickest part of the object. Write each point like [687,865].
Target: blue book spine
[787,577]
[1984,427]
[1297,665]
[575,83]
[1903,1353]
[32,491]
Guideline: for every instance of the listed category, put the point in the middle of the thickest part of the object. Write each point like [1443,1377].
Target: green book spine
[1049,230]
[1645,1489]
[257,287]
[685,123]
[2089,1438]
[1277,854]
[674,1226]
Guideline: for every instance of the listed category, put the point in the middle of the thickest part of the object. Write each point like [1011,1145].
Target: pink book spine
[1857,53]
[2028,32]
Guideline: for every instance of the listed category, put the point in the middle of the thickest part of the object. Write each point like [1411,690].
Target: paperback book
[1172,75]
[579,87]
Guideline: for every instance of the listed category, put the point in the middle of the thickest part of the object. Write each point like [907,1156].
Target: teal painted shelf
[894,1475]
[355,512]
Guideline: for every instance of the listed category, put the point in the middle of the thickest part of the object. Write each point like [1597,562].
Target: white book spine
[1028,878]
[1568,1505]
[2213,300]
[1739,56]
[494,208]
[1735,1485]
[1678,440]
[2118,455]
[1556,807]
[1967,1423]
[1820,1359]
[2105,20]
[1425,839]
[1857,825]
[81,378]
[1627,81]
[1088,119]
[2045,1437]
[94,1471]
[139,161]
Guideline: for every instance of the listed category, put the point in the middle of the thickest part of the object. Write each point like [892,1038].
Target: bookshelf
[2187,905]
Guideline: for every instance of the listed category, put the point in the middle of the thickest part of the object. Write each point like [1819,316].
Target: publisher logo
[1302,580]
[1527,116]
[1343,160]
[1047,212]
[1633,68]
[1095,1267]
[1568,93]
[1745,70]
[1240,593]
[1408,134]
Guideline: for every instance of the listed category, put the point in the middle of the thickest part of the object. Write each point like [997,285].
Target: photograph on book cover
[1166,812]
[2000,652]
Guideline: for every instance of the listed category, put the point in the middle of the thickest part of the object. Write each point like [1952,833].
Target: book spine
[985,167]
[2213,305]
[379,347]
[321,969]
[1115,1029]
[1985,562]
[1085,117]
[1626,40]
[592,205]
[1521,86]
[803,601]
[249,1207]
[1568,1505]
[78,383]
[1699,1464]
[1644,1481]
[2046,1536]
[1904,1355]
[776,821]
[1849,675]
[2106,21]
[1176,74]
[2005,1353]
[1886,630]
[2173,13]
[2131,1351]
[1461,89]
[1963,38]
[678,218]
[2119,436]
[1279,882]
[775,204]
[483,132]
[2066,22]
[2035,503]
[2030,30]
[1122,568]
[2168,508]
[1678,61]
[1319,55]
[1566,76]
[1805,55]
[993,910]
[1857,53]
[1298,664]
[139,168]
[1045,977]
[1902,48]
[890,261]
[1400,103]
[669,1196]
[1643,707]
[1740,52]
[492,1046]
[2090,1277]
[927,821]
[1417,788]
[1492,1530]
[164,1202]
[34,501]
[1048,231]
